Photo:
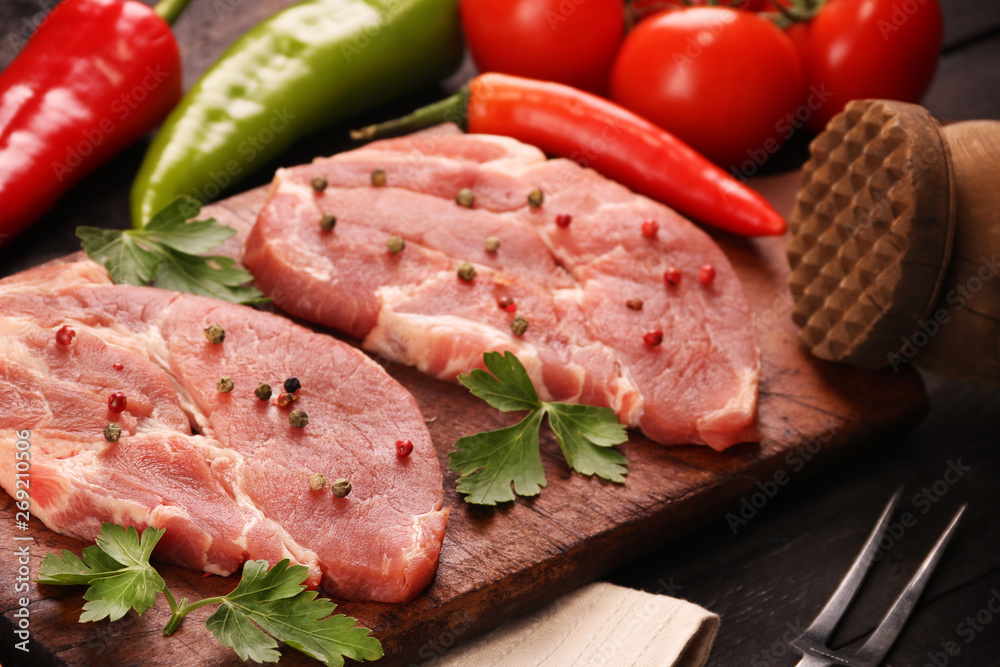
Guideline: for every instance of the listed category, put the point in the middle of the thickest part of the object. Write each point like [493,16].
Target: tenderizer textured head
[872,229]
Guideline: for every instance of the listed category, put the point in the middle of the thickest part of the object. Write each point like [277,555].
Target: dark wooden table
[769,575]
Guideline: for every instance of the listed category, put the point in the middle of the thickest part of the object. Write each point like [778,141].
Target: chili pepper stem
[170,10]
[451,109]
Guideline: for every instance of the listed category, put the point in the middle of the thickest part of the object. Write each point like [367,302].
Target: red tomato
[858,49]
[726,82]
[645,7]
[569,41]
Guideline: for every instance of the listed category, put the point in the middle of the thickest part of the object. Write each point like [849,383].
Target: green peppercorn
[535,198]
[317,481]
[215,334]
[327,222]
[465,197]
[467,272]
[298,418]
[634,304]
[379,178]
[395,244]
[341,488]
[319,183]
[112,432]
[225,384]
[492,244]
[519,325]
[263,391]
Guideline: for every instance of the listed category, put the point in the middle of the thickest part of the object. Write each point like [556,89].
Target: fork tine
[878,645]
[823,625]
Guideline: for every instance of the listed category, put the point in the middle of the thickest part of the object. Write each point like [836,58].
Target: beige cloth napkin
[600,624]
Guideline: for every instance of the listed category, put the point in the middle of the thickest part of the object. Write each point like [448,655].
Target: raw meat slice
[225,473]
[571,282]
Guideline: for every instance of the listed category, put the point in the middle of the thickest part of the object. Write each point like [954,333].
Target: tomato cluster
[726,80]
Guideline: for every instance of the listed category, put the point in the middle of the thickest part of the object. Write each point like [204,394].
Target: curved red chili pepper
[619,144]
[570,123]
[95,76]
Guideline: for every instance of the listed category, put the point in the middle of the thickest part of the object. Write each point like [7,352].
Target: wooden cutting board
[499,563]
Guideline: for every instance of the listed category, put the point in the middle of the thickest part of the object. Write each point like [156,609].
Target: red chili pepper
[65,335]
[117,402]
[95,76]
[403,448]
[567,122]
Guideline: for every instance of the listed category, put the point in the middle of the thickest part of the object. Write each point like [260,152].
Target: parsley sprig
[491,462]
[167,253]
[268,604]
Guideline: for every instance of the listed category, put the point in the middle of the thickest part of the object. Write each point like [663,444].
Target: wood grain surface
[499,563]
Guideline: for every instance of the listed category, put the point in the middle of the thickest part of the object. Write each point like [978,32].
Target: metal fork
[812,643]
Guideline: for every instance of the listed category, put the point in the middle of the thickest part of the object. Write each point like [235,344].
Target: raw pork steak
[578,285]
[225,473]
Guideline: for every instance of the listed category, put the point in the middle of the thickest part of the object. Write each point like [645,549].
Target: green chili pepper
[313,64]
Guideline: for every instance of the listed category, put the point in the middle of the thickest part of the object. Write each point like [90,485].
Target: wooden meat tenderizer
[895,242]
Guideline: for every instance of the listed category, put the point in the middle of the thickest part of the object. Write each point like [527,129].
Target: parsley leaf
[208,276]
[502,457]
[69,570]
[173,226]
[120,253]
[586,434]
[265,601]
[117,570]
[509,389]
[276,601]
[167,253]
[490,462]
